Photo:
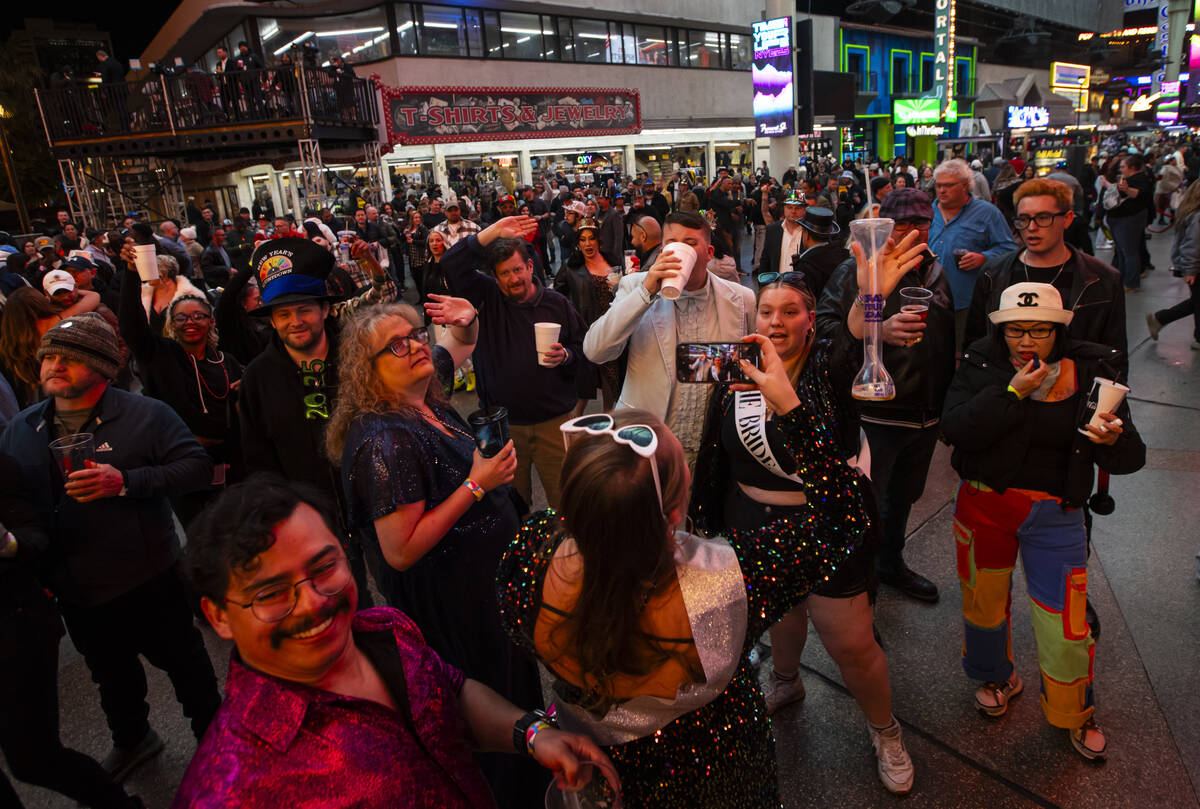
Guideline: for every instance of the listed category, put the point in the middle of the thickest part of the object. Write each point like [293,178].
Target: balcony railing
[867,82]
[912,88]
[191,101]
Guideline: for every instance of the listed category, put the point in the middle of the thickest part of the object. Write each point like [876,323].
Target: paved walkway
[1143,584]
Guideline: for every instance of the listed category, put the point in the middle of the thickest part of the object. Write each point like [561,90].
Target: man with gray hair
[966,232]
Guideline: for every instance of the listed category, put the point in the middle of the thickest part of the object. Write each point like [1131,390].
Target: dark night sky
[131,28]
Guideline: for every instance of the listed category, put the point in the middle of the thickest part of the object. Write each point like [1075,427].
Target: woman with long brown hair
[28,314]
[433,513]
[646,627]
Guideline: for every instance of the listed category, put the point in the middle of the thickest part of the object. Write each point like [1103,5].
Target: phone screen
[714,362]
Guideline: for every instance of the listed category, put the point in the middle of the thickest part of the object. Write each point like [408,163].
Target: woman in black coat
[1026,435]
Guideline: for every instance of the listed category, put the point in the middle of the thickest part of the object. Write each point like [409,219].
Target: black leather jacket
[1096,298]
[922,372]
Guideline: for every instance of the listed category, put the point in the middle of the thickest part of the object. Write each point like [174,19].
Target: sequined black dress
[390,460]
[721,754]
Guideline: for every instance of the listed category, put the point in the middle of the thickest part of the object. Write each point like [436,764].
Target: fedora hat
[1033,302]
[820,221]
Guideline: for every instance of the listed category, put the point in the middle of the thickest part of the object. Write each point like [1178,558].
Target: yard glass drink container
[873,382]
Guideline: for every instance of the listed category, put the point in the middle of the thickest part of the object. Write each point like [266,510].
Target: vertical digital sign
[943,60]
[774,96]
[1193,84]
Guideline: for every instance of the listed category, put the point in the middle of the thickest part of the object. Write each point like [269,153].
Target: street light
[18,199]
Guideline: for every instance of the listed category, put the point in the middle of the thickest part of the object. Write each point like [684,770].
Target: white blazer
[647,324]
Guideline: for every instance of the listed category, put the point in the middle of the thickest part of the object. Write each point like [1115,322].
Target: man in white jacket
[709,310]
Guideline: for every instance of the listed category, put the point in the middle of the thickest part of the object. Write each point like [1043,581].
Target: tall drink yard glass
[873,382]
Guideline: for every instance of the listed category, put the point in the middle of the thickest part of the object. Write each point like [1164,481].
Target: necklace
[1052,280]
[201,383]
[450,426]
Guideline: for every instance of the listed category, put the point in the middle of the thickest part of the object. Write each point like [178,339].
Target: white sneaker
[895,765]
[779,693]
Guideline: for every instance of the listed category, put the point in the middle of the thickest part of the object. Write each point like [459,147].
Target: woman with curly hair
[184,368]
[434,515]
[28,314]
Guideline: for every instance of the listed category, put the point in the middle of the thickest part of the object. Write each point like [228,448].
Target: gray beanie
[86,338]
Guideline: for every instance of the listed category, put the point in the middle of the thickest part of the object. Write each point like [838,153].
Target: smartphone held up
[714,362]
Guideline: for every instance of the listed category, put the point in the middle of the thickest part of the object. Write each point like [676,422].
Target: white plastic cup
[546,335]
[672,287]
[147,262]
[1105,397]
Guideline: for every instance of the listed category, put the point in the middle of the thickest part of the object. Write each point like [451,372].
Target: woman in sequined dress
[585,281]
[406,456]
[647,628]
[749,480]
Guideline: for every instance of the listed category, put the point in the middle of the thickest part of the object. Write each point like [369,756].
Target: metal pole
[167,102]
[38,98]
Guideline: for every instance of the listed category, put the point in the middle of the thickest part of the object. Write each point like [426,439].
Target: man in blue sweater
[539,396]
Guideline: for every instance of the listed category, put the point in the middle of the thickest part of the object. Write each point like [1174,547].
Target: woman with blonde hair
[433,513]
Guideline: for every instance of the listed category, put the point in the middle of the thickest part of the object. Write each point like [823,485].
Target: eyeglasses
[274,603]
[1044,219]
[403,346]
[793,278]
[181,319]
[1037,332]
[905,227]
[641,438]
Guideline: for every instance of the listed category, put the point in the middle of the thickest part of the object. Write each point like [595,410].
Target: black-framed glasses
[182,318]
[793,278]
[274,603]
[1044,219]
[1037,332]
[403,346]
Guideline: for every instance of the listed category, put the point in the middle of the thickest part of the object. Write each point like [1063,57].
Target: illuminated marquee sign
[921,110]
[1072,81]
[771,74]
[943,60]
[1028,117]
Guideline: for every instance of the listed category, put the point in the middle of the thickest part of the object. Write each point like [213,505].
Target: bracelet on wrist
[1015,392]
[474,488]
[522,728]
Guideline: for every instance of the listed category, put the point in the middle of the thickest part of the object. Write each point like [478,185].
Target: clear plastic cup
[599,792]
[74,451]
[915,301]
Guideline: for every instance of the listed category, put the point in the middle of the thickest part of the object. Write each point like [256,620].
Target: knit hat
[85,338]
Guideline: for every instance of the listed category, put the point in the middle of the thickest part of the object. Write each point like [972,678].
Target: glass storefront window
[359,37]
[591,41]
[566,41]
[474,33]
[616,48]
[442,31]
[521,35]
[406,30]
[491,34]
[741,48]
[651,45]
[704,49]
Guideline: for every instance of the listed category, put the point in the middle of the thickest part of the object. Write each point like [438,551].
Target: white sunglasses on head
[641,438]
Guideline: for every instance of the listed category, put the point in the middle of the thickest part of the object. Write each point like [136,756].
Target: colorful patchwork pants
[989,530]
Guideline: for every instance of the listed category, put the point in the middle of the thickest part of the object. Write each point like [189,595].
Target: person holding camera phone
[747,478]
[433,513]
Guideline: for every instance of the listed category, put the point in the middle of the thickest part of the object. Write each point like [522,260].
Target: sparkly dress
[722,753]
[390,460]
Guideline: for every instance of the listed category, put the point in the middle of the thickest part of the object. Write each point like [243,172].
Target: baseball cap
[1030,301]
[291,270]
[79,263]
[57,281]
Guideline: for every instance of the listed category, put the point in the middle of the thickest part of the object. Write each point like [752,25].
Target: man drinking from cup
[918,351]
[675,301]
[520,364]
[114,560]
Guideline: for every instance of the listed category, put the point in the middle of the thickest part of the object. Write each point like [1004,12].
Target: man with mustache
[324,706]
[113,556]
[539,392]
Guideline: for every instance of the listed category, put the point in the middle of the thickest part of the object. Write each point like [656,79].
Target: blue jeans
[1128,233]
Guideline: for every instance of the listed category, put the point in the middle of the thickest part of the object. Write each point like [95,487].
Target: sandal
[992,698]
[1089,731]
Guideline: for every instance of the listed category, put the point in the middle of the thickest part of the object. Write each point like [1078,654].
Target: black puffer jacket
[922,372]
[990,428]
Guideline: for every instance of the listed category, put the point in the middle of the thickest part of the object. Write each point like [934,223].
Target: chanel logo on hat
[1027,299]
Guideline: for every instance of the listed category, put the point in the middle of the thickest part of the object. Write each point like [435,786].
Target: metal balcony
[193,112]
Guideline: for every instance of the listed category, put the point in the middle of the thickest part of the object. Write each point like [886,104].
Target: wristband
[521,730]
[531,734]
[474,488]
[1015,392]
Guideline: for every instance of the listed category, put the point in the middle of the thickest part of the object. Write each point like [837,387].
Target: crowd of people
[281,388]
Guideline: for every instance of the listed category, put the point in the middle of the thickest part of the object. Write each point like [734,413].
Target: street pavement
[1143,583]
